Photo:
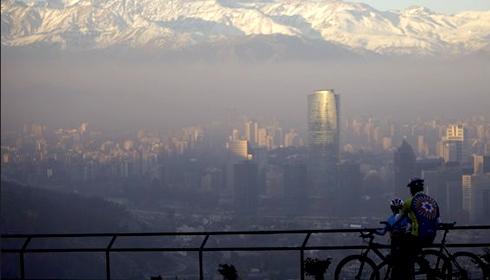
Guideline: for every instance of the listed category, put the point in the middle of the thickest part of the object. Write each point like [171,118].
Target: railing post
[201,271]
[21,259]
[108,258]
[302,255]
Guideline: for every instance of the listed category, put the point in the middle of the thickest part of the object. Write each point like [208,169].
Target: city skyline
[196,119]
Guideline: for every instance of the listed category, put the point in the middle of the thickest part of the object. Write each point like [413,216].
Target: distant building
[486,164]
[476,197]
[427,164]
[453,143]
[323,140]
[478,162]
[404,167]
[245,187]
[422,147]
[444,184]
[250,131]
[238,149]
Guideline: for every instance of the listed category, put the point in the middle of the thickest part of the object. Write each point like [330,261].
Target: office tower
[422,147]
[250,132]
[476,197]
[444,184]
[323,141]
[486,164]
[238,149]
[478,161]
[295,193]
[262,137]
[245,185]
[453,144]
[404,167]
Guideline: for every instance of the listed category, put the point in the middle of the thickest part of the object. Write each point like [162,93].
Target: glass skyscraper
[323,140]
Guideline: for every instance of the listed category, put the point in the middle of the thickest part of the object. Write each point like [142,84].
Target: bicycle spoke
[468,266]
[356,267]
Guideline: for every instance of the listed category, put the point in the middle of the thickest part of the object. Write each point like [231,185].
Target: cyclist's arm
[403,213]
[406,207]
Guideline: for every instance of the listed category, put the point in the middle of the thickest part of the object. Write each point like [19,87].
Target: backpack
[426,212]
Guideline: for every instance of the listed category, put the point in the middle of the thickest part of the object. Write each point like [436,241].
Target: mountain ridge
[179,24]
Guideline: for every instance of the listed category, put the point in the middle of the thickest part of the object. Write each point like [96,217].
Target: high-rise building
[486,164]
[444,184]
[404,167]
[238,149]
[453,144]
[250,132]
[476,197]
[262,137]
[422,147]
[323,140]
[478,161]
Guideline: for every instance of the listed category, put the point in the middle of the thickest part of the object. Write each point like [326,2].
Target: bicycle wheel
[384,270]
[432,264]
[356,267]
[468,266]
[421,270]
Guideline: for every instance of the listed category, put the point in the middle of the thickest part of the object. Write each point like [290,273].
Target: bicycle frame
[444,250]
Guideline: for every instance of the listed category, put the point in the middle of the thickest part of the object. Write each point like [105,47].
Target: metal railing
[109,248]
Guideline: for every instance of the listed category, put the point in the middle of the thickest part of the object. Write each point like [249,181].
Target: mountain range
[175,25]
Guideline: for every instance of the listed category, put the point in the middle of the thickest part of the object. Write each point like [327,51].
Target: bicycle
[361,266]
[467,265]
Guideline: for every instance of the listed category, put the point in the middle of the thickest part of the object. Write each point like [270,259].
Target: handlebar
[366,234]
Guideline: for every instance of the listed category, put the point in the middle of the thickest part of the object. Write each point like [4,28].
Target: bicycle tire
[344,271]
[443,271]
[473,266]
[384,270]
[384,265]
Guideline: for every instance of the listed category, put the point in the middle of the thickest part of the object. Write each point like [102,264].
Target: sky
[443,6]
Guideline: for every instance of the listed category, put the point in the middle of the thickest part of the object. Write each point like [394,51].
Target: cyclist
[392,224]
[423,213]
[397,225]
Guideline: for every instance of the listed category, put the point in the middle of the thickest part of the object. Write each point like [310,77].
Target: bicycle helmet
[416,182]
[397,203]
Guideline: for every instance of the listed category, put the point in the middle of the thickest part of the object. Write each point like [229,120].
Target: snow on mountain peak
[170,24]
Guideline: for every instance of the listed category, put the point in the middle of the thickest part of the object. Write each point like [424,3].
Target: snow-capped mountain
[177,24]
